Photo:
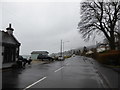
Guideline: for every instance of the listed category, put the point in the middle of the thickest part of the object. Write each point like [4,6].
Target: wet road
[75,72]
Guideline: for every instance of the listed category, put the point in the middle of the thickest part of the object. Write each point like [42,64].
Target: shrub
[67,57]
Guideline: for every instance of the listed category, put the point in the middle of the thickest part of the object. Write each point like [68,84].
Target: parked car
[61,58]
[22,58]
[22,61]
[73,55]
[40,56]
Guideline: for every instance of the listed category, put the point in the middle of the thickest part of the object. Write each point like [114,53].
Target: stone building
[9,46]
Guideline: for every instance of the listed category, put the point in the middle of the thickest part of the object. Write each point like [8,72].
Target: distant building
[35,54]
[9,45]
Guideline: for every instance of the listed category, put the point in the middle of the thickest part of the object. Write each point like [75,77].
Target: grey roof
[39,52]
[9,39]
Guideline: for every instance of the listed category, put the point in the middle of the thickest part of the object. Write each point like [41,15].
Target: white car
[73,55]
[60,58]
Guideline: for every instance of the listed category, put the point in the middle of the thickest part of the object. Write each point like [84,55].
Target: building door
[9,54]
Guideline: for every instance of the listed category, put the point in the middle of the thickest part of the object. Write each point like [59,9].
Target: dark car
[40,56]
[22,58]
[21,61]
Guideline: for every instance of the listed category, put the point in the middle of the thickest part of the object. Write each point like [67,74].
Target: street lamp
[64,46]
[62,49]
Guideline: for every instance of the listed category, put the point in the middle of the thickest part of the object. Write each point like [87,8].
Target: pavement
[75,72]
[8,66]
[110,74]
[115,68]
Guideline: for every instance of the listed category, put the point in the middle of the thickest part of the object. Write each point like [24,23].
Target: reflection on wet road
[75,72]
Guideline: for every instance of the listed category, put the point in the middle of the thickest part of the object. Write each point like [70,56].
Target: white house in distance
[35,54]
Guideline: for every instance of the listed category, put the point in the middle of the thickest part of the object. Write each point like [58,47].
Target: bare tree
[100,18]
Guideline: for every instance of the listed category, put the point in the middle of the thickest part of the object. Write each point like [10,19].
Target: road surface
[74,72]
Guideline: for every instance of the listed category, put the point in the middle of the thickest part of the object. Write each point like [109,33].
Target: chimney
[10,30]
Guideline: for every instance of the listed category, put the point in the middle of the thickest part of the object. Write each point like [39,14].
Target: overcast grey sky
[41,25]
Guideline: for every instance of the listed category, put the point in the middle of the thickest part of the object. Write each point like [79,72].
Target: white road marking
[35,83]
[58,69]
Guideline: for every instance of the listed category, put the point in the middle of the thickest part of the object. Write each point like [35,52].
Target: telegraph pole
[61,49]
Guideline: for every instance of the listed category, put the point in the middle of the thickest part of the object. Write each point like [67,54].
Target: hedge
[110,57]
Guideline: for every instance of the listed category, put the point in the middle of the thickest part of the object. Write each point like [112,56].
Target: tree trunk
[112,40]
[112,44]
[119,43]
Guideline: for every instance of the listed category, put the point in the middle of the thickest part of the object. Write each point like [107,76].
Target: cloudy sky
[42,25]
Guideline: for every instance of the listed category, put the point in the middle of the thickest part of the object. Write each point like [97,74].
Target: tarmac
[110,74]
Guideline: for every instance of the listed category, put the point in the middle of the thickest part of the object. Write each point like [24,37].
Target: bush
[110,57]
[67,57]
